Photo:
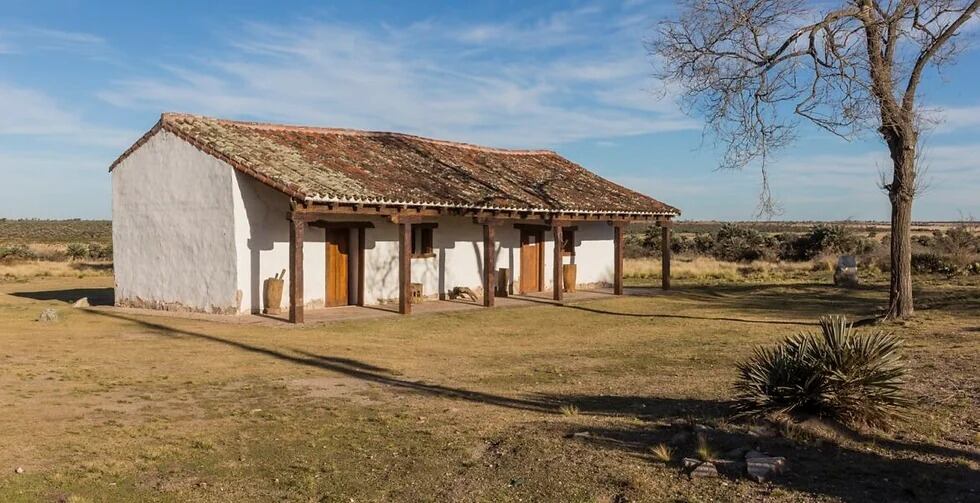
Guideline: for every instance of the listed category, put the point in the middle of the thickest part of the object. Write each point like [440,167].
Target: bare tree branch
[756,69]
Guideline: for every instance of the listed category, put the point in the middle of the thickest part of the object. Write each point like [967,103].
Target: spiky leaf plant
[839,373]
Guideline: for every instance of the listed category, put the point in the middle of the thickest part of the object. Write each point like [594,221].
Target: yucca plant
[839,373]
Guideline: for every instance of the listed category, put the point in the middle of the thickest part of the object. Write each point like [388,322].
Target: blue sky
[81,80]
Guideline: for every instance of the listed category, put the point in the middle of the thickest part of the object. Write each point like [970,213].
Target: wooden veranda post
[489,265]
[665,255]
[618,258]
[297,228]
[556,229]
[404,268]
[361,240]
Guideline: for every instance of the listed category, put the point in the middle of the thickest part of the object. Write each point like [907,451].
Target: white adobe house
[205,210]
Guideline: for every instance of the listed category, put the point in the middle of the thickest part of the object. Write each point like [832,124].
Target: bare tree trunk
[901,193]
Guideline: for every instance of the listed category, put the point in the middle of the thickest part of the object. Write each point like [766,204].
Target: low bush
[838,373]
[9,253]
[735,243]
[933,263]
[98,251]
[76,251]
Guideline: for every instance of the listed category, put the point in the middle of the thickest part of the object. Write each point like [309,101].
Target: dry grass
[461,406]
[662,453]
[700,268]
[21,271]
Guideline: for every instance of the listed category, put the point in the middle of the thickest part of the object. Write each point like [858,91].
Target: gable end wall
[173,229]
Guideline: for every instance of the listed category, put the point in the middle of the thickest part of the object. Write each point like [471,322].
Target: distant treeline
[948,249]
[27,231]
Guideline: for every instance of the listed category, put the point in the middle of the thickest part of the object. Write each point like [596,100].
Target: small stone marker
[20,469]
[82,302]
[705,470]
[762,469]
[48,315]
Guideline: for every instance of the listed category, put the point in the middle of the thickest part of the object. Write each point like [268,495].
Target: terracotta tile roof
[349,166]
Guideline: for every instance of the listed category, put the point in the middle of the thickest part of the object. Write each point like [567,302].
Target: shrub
[824,238]
[958,244]
[76,251]
[735,243]
[838,373]
[97,251]
[934,263]
[11,253]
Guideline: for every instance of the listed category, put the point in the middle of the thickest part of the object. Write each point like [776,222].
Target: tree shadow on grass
[811,300]
[96,296]
[852,473]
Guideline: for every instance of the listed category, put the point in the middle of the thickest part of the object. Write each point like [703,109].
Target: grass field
[529,404]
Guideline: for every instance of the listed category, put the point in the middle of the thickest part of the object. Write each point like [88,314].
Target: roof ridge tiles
[271,126]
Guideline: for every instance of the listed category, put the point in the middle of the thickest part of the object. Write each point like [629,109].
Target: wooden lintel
[321,212]
[341,224]
[409,219]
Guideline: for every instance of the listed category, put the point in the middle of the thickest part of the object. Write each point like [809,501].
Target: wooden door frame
[326,251]
[362,227]
[538,233]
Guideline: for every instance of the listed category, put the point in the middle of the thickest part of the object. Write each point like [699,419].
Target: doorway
[338,267]
[532,260]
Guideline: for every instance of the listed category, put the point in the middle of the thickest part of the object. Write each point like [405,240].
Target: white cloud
[29,112]
[543,83]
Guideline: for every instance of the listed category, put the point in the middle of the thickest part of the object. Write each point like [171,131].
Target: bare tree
[756,69]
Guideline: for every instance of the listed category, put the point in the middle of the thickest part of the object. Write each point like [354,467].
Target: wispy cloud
[32,39]
[544,82]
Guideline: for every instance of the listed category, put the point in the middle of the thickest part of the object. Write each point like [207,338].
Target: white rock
[49,314]
[82,302]
[20,469]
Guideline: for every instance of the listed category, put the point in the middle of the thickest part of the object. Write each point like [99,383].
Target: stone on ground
[762,469]
[82,302]
[706,469]
[49,314]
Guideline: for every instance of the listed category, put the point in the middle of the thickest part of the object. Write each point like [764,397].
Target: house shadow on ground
[864,468]
[96,296]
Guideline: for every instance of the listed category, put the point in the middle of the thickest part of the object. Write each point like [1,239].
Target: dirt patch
[332,387]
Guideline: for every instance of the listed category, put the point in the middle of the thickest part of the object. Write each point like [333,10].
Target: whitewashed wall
[262,245]
[172,229]
[190,232]
[262,234]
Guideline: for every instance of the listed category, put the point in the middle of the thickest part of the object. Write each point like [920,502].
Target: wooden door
[531,258]
[338,260]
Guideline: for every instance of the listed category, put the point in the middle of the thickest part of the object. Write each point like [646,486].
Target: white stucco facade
[191,232]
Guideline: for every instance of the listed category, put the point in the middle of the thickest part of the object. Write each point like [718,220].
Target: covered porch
[554,223]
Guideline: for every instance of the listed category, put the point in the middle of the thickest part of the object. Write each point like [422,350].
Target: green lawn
[460,406]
